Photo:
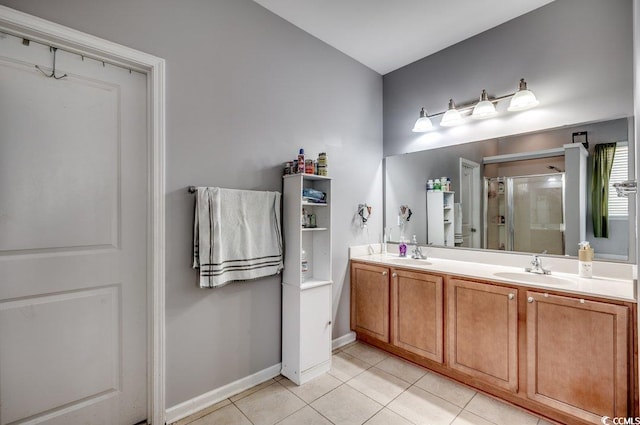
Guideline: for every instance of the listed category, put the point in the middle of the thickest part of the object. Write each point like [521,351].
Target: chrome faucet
[537,267]
[416,252]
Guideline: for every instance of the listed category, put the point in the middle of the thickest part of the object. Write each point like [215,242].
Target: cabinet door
[483,332]
[315,326]
[370,300]
[577,355]
[416,300]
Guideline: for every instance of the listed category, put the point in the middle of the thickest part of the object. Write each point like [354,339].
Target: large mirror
[524,193]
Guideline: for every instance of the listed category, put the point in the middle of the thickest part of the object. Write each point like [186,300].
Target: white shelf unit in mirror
[306,296]
[440,218]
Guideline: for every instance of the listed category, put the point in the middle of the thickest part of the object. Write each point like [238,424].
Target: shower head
[554,168]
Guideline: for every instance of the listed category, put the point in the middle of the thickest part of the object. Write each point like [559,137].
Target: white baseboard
[343,340]
[189,407]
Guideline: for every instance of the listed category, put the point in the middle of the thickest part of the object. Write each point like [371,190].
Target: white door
[73,240]
[470,202]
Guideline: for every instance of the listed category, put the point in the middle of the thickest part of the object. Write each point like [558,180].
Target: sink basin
[408,261]
[544,279]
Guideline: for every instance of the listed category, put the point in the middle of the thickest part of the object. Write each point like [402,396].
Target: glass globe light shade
[423,123]
[452,117]
[523,99]
[484,109]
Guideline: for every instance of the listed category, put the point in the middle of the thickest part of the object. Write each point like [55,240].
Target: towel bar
[193,189]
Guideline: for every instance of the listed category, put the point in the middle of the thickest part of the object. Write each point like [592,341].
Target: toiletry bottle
[304,265]
[436,185]
[301,161]
[429,185]
[402,248]
[585,260]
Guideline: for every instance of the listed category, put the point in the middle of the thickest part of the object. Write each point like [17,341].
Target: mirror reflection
[529,193]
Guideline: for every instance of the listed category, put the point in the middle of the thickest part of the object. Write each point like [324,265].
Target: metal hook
[53,72]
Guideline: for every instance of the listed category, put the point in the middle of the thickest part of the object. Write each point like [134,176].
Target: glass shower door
[536,213]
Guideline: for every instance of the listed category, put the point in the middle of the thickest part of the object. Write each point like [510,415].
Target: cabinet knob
[329,323]
[530,299]
[511,296]
[384,273]
[394,275]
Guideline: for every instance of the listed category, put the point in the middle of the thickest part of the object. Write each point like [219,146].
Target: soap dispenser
[585,260]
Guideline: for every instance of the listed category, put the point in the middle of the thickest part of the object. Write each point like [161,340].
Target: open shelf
[314,229]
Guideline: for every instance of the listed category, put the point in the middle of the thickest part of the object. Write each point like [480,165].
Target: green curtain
[602,163]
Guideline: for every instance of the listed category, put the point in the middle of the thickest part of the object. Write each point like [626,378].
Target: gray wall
[245,90]
[576,56]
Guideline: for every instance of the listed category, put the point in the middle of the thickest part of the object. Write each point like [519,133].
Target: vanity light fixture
[485,108]
[452,117]
[423,123]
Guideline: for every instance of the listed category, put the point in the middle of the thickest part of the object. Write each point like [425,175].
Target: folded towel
[236,235]
[313,194]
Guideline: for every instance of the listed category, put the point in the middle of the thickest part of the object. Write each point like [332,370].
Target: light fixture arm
[469,105]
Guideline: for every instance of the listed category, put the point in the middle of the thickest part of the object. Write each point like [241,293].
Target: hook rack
[53,72]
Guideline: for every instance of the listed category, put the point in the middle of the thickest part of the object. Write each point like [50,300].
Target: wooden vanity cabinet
[482,339]
[578,355]
[370,300]
[416,313]
[569,359]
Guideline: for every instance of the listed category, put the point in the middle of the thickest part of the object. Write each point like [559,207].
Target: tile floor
[365,386]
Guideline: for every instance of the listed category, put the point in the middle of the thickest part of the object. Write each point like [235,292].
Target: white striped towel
[236,235]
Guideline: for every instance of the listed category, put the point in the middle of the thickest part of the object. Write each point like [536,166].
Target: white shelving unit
[306,304]
[440,218]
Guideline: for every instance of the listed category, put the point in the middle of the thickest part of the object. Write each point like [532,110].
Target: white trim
[546,153]
[343,340]
[207,399]
[37,29]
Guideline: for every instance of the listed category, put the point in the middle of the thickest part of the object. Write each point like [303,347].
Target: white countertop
[604,287]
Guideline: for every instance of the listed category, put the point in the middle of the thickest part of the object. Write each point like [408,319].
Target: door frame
[52,34]
[477,189]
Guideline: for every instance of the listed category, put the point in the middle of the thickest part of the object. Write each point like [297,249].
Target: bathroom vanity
[558,345]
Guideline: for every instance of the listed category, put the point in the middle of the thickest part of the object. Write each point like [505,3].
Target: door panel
[315,326]
[73,240]
[577,353]
[370,305]
[470,203]
[417,313]
[483,332]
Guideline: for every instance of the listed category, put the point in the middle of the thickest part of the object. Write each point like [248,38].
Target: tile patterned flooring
[364,386]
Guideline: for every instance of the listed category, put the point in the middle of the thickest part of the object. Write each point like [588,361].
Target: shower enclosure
[525,213]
